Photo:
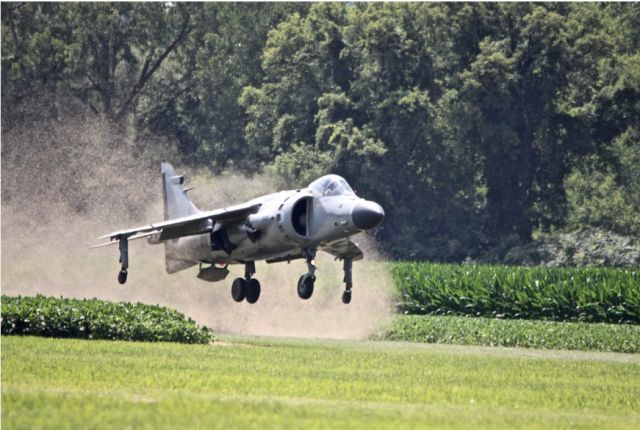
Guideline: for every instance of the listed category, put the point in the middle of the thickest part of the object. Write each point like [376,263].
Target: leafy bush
[606,194]
[528,334]
[560,294]
[579,248]
[98,319]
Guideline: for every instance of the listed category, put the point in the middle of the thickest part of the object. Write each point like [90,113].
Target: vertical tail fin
[176,205]
[176,202]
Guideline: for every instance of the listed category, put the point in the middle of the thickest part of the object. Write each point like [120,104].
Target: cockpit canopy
[331,185]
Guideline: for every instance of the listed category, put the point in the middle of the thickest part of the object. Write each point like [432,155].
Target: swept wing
[202,222]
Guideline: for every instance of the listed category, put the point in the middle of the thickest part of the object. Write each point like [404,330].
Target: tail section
[176,205]
[176,202]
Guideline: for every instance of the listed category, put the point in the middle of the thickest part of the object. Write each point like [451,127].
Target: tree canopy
[473,124]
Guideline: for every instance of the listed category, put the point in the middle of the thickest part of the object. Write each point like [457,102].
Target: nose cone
[367,215]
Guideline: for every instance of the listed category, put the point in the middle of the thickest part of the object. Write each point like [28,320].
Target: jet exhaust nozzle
[367,215]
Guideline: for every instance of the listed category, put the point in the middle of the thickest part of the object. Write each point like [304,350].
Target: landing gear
[307,281]
[122,276]
[123,244]
[346,297]
[348,280]
[247,287]
[305,286]
[239,289]
[253,291]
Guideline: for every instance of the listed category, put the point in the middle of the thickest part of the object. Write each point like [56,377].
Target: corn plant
[559,294]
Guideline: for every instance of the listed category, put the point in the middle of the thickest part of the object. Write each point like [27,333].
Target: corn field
[558,294]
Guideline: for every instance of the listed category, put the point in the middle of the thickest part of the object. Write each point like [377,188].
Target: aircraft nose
[367,215]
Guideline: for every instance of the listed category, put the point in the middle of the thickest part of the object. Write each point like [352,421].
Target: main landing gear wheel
[122,276]
[247,287]
[253,290]
[239,289]
[346,297]
[305,286]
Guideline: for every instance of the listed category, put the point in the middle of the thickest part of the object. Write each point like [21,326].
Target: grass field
[258,383]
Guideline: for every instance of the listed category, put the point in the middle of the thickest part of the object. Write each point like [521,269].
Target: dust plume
[68,182]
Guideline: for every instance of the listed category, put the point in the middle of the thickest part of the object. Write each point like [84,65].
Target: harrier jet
[277,227]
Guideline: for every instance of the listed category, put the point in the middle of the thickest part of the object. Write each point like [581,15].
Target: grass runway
[286,383]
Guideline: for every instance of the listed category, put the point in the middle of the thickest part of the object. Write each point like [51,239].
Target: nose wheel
[305,286]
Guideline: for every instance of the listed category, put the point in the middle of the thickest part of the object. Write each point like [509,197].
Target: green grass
[269,383]
[559,294]
[518,333]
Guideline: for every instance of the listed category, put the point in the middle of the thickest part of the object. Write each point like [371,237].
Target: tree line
[473,124]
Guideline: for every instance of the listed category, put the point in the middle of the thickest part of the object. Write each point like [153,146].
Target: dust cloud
[66,183]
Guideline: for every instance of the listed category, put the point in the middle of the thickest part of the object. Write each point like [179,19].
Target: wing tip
[100,245]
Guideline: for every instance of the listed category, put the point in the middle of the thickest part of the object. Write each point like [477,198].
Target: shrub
[98,319]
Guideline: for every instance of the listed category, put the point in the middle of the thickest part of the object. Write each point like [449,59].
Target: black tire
[239,289]
[305,286]
[346,297]
[253,291]
[122,277]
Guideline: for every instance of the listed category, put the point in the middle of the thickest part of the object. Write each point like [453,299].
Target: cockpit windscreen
[331,185]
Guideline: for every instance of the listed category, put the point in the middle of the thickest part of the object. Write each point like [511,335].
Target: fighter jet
[279,227]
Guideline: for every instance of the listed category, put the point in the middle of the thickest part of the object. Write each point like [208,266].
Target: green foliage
[514,333]
[474,125]
[595,199]
[174,70]
[608,196]
[559,294]
[280,383]
[195,100]
[578,248]
[97,319]
[464,150]
[104,54]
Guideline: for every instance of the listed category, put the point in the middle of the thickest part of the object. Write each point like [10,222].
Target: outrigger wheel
[346,297]
[122,276]
[123,245]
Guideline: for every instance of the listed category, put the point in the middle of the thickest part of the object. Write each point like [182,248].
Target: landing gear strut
[307,281]
[123,244]
[348,280]
[247,287]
